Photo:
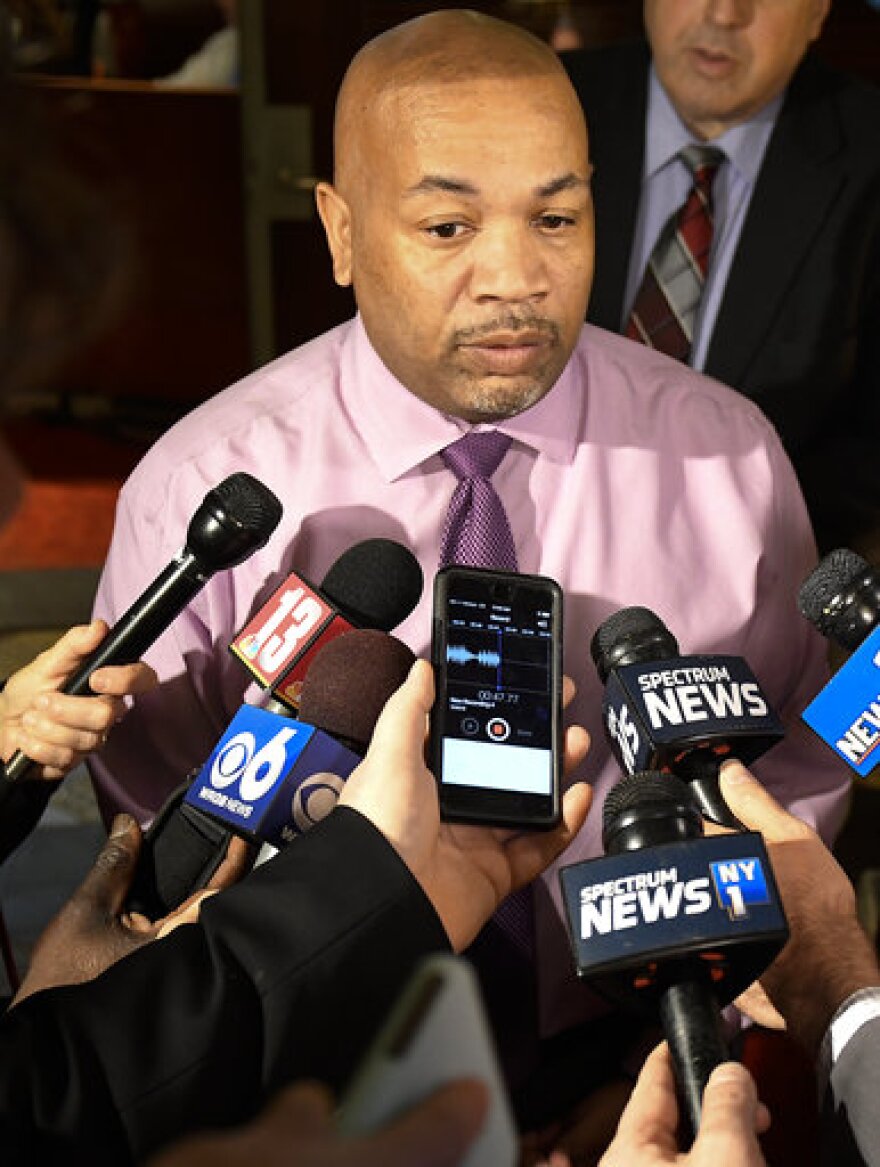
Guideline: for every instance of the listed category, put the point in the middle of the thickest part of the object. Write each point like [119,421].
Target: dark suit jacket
[288,975]
[798,329]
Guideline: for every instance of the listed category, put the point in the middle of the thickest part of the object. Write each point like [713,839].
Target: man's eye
[555,222]
[446,230]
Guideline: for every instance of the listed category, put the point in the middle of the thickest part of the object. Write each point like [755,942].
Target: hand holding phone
[496,724]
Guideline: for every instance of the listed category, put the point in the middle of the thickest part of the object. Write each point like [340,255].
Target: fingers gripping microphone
[671,923]
[841,597]
[234,520]
[664,711]
[271,777]
[374,584]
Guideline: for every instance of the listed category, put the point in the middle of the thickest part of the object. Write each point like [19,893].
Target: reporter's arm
[286,976]
[828,956]
[91,932]
[826,981]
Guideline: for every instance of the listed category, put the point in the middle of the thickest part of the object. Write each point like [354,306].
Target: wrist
[819,975]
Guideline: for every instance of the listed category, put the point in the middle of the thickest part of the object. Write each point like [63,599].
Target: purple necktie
[477,534]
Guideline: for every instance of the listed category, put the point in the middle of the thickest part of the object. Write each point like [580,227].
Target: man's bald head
[461,211]
[441,47]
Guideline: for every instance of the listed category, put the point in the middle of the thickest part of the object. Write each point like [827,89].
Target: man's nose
[508,265]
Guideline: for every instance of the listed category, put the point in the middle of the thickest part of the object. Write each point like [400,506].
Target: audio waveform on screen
[459,654]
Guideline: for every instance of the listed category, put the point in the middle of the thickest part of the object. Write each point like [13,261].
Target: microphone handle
[129,638]
[145,620]
[693,1029]
[179,853]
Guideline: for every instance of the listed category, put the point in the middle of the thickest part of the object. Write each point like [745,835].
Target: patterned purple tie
[477,533]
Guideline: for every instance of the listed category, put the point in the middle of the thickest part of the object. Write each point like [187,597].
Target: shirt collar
[666,134]
[401,431]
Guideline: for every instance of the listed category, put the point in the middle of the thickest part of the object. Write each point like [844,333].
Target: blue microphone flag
[271,777]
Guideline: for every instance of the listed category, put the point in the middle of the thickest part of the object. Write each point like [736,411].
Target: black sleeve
[287,975]
[21,808]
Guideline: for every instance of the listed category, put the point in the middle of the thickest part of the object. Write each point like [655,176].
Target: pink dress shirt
[634,481]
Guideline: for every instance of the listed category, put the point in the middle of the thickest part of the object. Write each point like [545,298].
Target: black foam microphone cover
[375,583]
[631,636]
[841,598]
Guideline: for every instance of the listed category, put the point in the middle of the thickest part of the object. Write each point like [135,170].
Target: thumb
[106,885]
[66,654]
[400,730]
[755,807]
[731,1116]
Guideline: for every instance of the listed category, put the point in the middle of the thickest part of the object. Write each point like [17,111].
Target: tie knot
[477,454]
[703,163]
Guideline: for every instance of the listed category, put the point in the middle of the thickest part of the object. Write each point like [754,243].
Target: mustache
[712,41]
[507,322]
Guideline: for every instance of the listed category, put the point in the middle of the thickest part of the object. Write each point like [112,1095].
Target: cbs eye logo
[255,770]
[315,797]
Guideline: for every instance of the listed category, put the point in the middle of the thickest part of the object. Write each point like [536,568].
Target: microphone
[374,584]
[670,922]
[271,777]
[687,714]
[234,520]
[841,598]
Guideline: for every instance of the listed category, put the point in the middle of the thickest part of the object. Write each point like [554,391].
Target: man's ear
[336,217]
[820,13]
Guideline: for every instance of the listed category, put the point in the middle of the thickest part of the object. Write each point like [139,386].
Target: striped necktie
[665,307]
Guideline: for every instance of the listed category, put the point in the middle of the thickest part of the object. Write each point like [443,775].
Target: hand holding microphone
[91,931]
[271,776]
[57,730]
[234,520]
[672,923]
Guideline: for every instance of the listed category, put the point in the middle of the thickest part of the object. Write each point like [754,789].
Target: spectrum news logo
[647,898]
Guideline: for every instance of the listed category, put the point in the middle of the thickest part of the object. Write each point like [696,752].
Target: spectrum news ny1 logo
[271,777]
[661,895]
[846,713]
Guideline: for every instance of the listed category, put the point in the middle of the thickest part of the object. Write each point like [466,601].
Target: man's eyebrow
[438,182]
[431,183]
[570,181]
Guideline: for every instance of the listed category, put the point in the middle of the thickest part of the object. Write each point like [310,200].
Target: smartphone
[435,1034]
[496,725]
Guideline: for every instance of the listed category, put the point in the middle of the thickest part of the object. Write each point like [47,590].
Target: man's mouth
[712,62]
[507,352]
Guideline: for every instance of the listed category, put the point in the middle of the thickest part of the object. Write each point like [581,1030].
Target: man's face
[721,61]
[470,240]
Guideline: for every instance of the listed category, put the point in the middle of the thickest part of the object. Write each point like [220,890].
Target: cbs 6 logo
[255,770]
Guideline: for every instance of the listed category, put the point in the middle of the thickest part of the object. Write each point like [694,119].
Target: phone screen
[496,721]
